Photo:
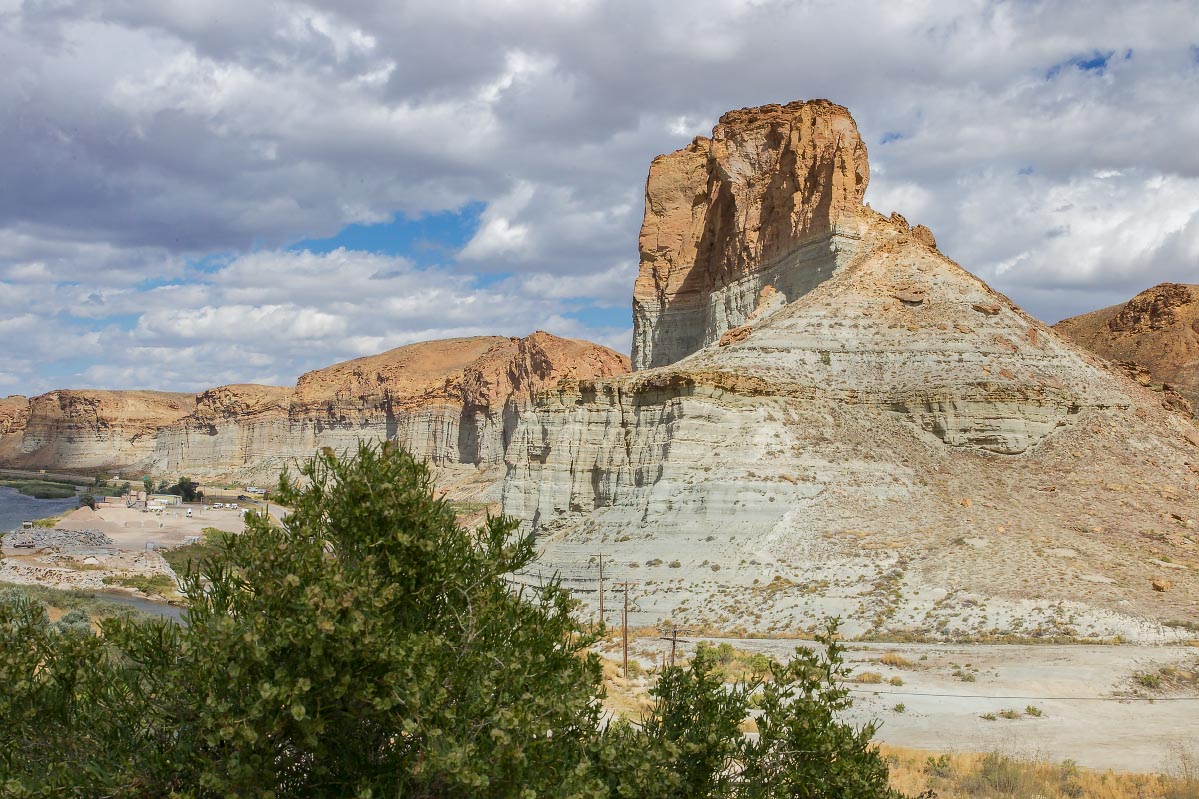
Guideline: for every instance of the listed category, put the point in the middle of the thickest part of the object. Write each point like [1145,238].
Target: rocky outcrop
[454,402]
[1157,332]
[771,199]
[87,429]
[14,416]
[823,445]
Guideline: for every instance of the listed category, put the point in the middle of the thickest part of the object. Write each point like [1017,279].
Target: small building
[167,499]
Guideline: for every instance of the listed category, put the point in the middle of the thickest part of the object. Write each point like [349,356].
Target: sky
[202,192]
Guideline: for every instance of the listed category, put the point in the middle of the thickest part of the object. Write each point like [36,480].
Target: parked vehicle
[25,541]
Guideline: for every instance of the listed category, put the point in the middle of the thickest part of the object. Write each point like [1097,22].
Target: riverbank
[97,604]
[16,507]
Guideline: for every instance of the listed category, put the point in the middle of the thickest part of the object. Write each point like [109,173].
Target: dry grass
[867,678]
[995,775]
[896,660]
[626,697]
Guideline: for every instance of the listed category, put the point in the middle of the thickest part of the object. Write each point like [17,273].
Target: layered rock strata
[1157,332]
[897,444]
[87,429]
[770,199]
[454,402]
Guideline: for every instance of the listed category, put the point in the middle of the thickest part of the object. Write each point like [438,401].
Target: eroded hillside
[863,428]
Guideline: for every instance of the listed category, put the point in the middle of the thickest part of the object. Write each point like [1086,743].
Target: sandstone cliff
[771,199]
[1156,332]
[86,429]
[858,427]
[454,402]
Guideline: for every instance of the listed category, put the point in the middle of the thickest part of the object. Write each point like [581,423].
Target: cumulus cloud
[165,154]
[268,316]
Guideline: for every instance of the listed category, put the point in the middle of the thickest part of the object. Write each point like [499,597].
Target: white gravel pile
[60,539]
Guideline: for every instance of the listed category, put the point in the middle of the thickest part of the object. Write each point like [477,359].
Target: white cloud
[271,315]
[142,136]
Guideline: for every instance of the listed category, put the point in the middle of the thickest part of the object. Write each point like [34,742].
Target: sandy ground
[132,529]
[1083,693]
[134,533]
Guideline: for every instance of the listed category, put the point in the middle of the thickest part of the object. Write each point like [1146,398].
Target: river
[15,508]
[144,605]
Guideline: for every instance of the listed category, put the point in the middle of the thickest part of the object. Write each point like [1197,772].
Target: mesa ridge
[453,402]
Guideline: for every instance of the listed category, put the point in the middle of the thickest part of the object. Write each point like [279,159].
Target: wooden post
[601,560]
[624,624]
[674,640]
[601,587]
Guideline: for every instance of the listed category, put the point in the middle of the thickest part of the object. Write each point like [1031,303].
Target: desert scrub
[868,678]
[991,776]
[1148,679]
[69,600]
[895,659]
[732,664]
[181,558]
[159,584]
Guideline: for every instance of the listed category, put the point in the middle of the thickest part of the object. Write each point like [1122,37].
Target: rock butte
[454,402]
[830,416]
[1156,333]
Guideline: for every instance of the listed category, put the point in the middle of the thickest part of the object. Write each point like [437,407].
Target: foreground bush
[372,647]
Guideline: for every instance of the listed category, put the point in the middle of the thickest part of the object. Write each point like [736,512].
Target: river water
[144,605]
[15,508]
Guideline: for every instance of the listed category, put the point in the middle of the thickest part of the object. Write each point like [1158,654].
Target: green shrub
[372,647]
[1001,775]
[939,766]
[151,585]
[1148,679]
[75,622]
[191,556]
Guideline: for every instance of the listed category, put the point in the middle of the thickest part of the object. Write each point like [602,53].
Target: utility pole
[674,640]
[624,624]
[601,588]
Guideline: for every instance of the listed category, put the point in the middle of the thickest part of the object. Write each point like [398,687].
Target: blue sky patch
[1096,62]
[599,316]
[425,240]
[891,136]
